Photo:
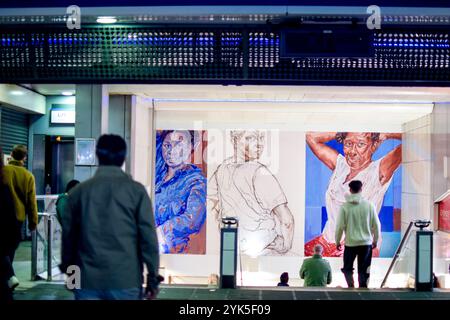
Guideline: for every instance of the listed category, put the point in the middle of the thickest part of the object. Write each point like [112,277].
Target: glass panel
[441,262]
[47,211]
[424,259]
[228,263]
[228,240]
[403,271]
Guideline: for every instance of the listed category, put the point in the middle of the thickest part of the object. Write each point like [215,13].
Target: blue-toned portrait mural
[180,191]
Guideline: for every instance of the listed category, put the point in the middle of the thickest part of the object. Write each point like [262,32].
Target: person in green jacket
[358,219]
[61,202]
[316,271]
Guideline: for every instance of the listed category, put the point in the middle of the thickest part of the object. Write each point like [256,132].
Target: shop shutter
[13,129]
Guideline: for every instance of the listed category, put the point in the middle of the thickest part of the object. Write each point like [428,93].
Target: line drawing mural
[245,188]
[180,192]
[373,158]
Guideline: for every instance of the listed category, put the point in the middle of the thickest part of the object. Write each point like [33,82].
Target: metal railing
[404,266]
[46,240]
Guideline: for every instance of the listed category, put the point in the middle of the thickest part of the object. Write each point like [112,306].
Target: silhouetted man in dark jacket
[109,231]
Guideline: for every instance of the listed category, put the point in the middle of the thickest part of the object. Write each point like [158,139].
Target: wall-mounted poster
[333,159]
[247,185]
[180,191]
[444,212]
[85,152]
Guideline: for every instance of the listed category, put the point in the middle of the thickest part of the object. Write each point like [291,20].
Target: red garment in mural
[329,249]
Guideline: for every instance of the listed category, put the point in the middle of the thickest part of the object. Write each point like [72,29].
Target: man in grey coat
[109,231]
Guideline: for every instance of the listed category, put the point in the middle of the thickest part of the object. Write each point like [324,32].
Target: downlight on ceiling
[17,93]
[106,20]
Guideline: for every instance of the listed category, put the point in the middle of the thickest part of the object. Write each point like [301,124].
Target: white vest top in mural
[372,190]
[250,192]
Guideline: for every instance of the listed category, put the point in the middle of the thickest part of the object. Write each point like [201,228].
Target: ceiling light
[17,93]
[106,20]
[67,93]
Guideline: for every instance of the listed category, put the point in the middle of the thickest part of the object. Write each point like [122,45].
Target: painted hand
[278,245]
[161,239]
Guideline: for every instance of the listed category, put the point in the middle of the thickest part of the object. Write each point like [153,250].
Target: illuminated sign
[444,213]
[61,114]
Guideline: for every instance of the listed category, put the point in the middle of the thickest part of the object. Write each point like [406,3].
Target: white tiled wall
[440,139]
[416,180]
[141,135]
[416,176]
[417,143]
[423,179]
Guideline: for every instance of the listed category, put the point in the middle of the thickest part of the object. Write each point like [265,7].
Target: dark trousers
[7,262]
[5,265]
[6,272]
[8,254]
[364,254]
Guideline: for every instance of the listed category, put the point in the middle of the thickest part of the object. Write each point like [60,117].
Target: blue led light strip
[413,45]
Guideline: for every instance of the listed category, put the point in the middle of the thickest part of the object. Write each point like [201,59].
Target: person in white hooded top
[360,223]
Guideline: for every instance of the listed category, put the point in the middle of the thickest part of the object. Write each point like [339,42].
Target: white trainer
[13,282]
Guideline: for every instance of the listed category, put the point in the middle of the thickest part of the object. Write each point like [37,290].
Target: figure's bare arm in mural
[316,141]
[212,197]
[283,242]
[392,160]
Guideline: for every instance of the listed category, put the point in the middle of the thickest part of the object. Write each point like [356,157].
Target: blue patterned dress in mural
[180,204]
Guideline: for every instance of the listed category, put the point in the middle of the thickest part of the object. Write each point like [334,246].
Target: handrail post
[49,247]
[34,240]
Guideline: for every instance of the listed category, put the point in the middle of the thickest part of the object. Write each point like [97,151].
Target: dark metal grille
[13,129]
[210,54]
